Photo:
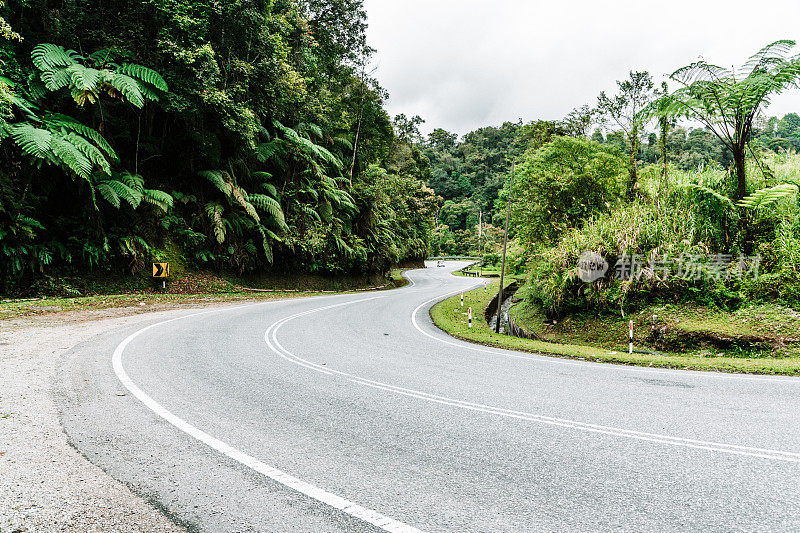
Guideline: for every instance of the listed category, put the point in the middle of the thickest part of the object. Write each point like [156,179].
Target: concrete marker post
[630,337]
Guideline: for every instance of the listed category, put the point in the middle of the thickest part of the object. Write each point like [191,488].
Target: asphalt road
[355,413]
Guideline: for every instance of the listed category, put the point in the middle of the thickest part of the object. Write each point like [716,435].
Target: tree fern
[123,191]
[269,205]
[306,127]
[55,80]
[268,150]
[83,78]
[310,212]
[87,78]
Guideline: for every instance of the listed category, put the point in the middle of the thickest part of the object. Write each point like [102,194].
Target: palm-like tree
[728,100]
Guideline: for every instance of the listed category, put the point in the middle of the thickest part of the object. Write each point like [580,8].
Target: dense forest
[470,173]
[245,137]
[689,191]
[235,136]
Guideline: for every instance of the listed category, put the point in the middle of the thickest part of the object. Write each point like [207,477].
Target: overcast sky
[463,64]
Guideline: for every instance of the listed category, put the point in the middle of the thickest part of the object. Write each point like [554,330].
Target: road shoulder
[46,484]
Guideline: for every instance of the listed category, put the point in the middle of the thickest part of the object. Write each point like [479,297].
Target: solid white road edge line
[271,339]
[541,358]
[337,502]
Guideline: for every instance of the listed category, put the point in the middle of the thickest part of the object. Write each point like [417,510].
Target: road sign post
[161,271]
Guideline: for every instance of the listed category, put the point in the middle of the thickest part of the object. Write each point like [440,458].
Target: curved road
[355,413]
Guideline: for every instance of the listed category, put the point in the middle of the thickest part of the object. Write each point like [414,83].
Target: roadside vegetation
[195,290]
[698,230]
[235,138]
[248,145]
[604,338]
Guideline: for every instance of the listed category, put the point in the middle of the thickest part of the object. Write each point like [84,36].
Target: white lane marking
[312,491]
[271,338]
[612,367]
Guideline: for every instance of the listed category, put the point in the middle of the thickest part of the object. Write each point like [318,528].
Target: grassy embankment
[188,289]
[604,339]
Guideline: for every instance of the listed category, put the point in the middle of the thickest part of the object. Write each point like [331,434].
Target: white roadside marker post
[630,336]
[469,314]
[462,298]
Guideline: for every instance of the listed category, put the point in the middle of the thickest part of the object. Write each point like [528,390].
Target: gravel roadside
[45,484]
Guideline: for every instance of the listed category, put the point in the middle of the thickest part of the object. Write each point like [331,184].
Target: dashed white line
[271,338]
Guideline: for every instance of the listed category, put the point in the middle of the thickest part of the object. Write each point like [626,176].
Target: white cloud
[462,64]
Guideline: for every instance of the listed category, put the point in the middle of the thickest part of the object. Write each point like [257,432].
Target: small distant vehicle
[440,263]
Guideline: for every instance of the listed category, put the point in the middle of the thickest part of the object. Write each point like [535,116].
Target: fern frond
[272,235]
[306,127]
[90,151]
[270,189]
[33,141]
[48,56]
[124,192]
[125,86]
[764,198]
[343,142]
[81,96]
[310,212]
[724,200]
[325,210]
[267,204]
[219,179]
[214,211]
[69,156]
[104,55]
[241,197]
[66,123]
[108,193]
[160,199]
[134,181]
[265,151]
[56,80]
[144,74]
[83,78]
[265,244]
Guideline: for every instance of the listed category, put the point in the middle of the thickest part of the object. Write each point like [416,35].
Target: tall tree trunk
[633,171]
[741,191]
[739,165]
[358,126]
